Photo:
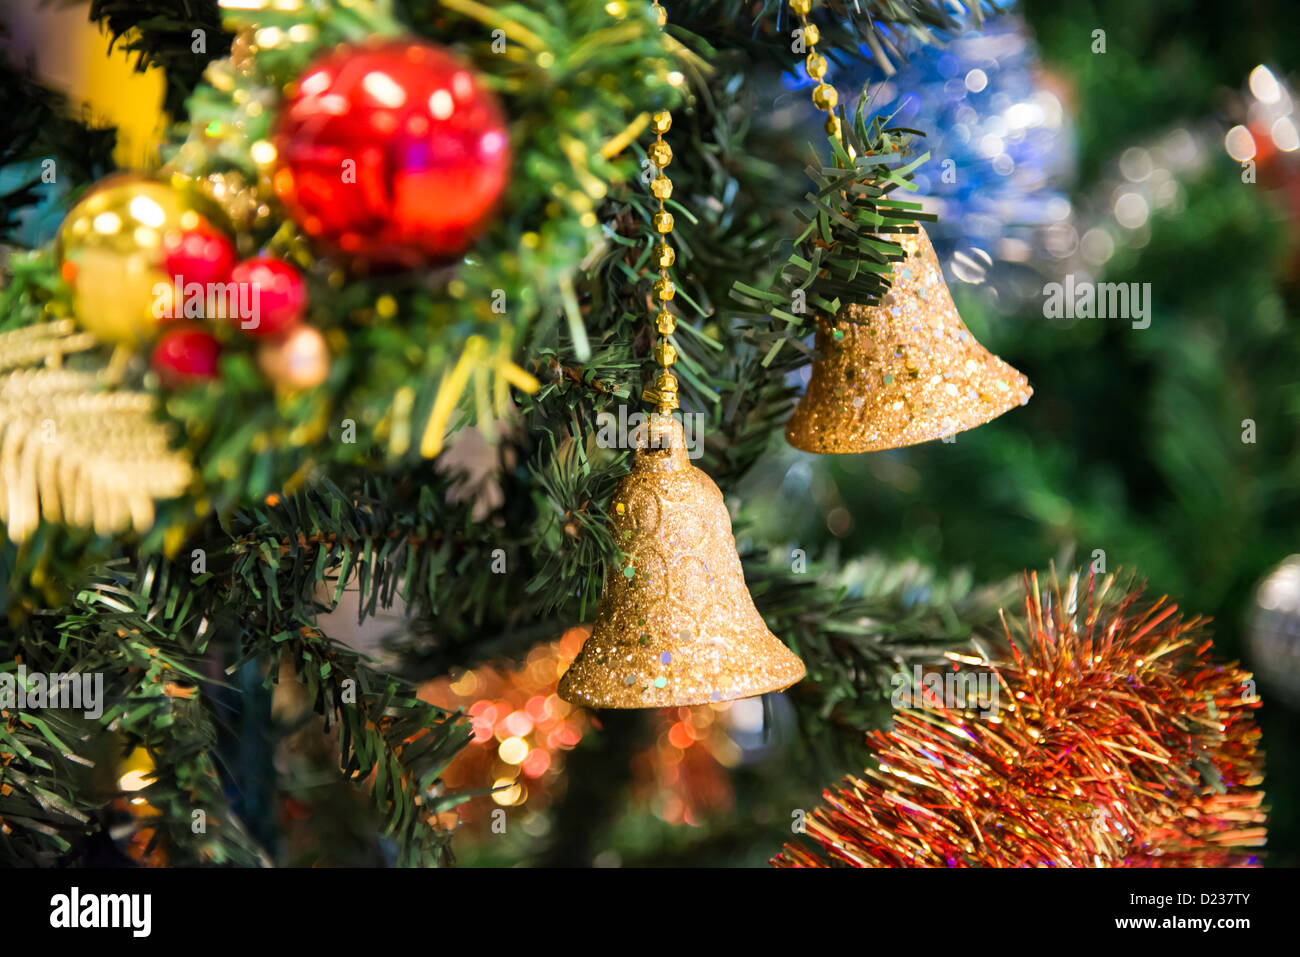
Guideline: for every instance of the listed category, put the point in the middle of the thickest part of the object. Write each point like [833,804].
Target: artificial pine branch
[140,630]
[385,733]
[765,29]
[843,253]
[149,631]
[859,627]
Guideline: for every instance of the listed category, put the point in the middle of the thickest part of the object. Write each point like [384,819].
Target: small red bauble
[276,292]
[186,355]
[391,153]
[203,255]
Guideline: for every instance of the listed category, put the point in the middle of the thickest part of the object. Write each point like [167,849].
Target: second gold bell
[903,372]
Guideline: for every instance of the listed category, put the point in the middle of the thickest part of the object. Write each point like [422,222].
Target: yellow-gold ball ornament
[297,359]
[112,250]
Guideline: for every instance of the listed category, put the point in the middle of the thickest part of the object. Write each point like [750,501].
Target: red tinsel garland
[1117,744]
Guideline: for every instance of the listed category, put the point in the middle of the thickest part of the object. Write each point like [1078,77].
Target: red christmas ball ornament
[184,356]
[276,293]
[203,255]
[391,153]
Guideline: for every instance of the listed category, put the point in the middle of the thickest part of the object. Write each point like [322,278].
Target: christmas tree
[398,446]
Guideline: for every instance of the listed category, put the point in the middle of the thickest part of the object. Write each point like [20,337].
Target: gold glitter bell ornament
[903,372]
[676,624]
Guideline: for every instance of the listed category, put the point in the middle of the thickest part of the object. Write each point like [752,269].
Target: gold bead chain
[824,96]
[662,394]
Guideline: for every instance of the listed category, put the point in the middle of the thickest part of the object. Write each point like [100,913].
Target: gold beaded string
[824,96]
[662,394]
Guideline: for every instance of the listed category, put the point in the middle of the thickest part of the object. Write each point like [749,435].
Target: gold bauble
[299,359]
[903,372]
[676,624]
[112,254]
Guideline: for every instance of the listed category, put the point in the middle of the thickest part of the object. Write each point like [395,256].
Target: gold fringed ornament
[903,372]
[676,624]
[74,448]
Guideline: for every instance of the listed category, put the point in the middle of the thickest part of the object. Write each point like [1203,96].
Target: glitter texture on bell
[676,624]
[903,372]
